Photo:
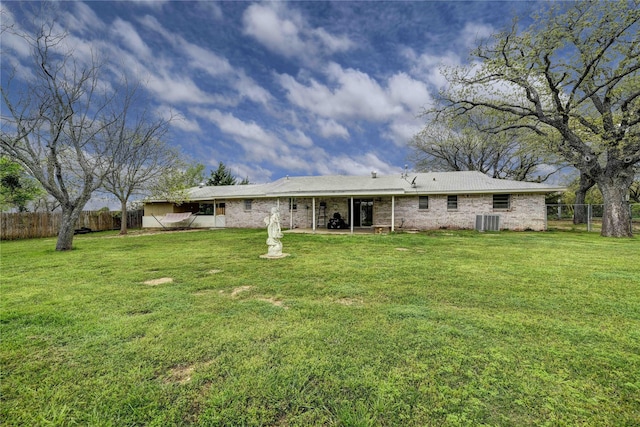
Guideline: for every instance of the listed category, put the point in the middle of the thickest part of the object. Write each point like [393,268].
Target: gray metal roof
[347,185]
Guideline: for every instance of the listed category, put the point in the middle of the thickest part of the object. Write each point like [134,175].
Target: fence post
[589,214]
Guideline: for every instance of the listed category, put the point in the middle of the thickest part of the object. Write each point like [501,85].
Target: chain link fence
[584,217]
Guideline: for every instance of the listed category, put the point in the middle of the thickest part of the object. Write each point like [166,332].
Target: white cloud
[9,39]
[127,35]
[248,88]
[413,94]
[241,130]
[178,119]
[154,4]
[330,128]
[213,64]
[330,42]
[257,143]
[175,89]
[299,138]
[354,95]
[361,165]
[427,66]
[473,32]
[285,32]
[83,20]
[277,33]
[401,130]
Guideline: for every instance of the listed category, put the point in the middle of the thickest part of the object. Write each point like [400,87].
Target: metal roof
[347,185]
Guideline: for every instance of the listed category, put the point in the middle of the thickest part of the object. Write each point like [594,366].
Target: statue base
[267,256]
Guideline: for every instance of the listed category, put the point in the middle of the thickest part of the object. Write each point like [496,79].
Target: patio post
[393,213]
[313,215]
[352,214]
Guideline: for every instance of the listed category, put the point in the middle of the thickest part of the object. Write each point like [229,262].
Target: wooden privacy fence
[28,225]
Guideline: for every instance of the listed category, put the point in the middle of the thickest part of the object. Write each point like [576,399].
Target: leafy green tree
[17,188]
[221,176]
[573,77]
[174,185]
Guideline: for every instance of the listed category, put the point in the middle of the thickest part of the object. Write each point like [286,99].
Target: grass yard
[429,329]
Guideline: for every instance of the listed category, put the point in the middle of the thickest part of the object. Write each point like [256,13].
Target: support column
[290,213]
[351,219]
[393,213]
[313,215]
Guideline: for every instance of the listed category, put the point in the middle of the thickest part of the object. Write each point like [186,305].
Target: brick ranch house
[420,201]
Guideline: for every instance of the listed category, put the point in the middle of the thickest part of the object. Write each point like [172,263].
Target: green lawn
[430,329]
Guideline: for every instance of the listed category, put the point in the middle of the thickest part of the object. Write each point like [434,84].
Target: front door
[220,211]
[363,212]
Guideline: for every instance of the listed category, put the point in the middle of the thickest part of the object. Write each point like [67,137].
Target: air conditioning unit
[488,222]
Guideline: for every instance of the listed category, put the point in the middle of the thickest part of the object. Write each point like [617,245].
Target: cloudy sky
[284,88]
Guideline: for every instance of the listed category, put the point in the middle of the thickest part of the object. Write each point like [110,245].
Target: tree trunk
[616,218]
[67,227]
[123,218]
[580,213]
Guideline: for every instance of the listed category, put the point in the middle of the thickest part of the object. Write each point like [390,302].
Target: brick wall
[527,211]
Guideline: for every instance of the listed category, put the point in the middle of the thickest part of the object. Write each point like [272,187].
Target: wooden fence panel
[29,225]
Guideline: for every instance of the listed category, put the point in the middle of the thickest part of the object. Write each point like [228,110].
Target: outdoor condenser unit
[488,222]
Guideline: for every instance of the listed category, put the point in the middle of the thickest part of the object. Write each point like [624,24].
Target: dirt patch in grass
[240,289]
[160,281]
[273,301]
[215,271]
[203,292]
[153,232]
[402,249]
[181,374]
[349,301]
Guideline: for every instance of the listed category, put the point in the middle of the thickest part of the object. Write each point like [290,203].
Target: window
[205,209]
[501,201]
[247,204]
[293,204]
[423,202]
[452,202]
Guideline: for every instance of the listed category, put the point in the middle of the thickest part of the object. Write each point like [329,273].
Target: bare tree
[459,143]
[54,124]
[573,77]
[141,157]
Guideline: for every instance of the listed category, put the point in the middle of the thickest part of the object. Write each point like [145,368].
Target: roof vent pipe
[374,174]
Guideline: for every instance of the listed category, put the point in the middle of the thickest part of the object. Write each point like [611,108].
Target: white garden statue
[274,235]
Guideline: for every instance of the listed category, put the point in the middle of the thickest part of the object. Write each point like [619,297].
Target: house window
[423,202]
[293,204]
[205,209]
[452,203]
[501,201]
[247,204]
